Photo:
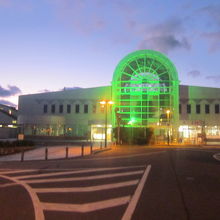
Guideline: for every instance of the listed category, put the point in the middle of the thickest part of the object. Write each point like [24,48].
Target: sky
[46,45]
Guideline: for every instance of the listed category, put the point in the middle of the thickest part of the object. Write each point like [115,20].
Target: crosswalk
[80,191]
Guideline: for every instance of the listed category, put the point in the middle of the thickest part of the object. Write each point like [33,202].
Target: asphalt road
[124,183]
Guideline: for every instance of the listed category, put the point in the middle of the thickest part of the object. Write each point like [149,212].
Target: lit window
[102,108]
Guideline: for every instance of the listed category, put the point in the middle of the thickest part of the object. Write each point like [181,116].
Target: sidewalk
[53,152]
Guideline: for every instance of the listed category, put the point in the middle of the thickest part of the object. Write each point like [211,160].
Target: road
[124,183]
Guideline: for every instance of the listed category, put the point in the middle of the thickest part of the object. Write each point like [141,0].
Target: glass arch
[145,87]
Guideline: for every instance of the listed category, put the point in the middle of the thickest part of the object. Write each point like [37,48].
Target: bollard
[22,156]
[82,150]
[46,153]
[67,152]
[91,148]
[100,145]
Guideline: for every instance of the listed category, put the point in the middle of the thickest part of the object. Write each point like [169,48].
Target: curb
[101,150]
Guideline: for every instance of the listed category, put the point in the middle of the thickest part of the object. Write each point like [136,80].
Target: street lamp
[168,121]
[105,103]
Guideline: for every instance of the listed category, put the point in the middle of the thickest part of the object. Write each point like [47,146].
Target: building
[8,122]
[145,92]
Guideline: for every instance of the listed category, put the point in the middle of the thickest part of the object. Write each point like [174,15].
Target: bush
[134,135]
[17,143]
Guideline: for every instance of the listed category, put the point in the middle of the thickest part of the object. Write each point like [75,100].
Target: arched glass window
[145,86]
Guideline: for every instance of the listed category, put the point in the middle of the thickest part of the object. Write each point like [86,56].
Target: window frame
[207,109]
[77,108]
[86,108]
[68,109]
[53,108]
[188,109]
[198,109]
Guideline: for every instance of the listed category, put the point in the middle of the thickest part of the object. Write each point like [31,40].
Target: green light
[145,84]
[132,121]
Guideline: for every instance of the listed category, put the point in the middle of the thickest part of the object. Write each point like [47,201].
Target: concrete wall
[34,120]
[199,95]
[31,112]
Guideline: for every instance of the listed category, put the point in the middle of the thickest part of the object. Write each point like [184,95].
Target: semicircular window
[145,85]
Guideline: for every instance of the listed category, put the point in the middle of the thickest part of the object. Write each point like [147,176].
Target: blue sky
[52,44]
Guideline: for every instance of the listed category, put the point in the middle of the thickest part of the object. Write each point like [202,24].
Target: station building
[144,92]
[8,122]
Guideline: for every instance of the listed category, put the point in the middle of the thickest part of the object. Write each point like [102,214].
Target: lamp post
[118,118]
[168,121]
[105,103]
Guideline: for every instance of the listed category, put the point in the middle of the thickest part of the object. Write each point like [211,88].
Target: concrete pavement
[53,152]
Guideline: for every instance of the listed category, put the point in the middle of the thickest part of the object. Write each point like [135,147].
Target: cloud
[165,37]
[215,78]
[194,73]
[82,15]
[213,36]
[213,12]
[5,102]
[10,91]
[214,41]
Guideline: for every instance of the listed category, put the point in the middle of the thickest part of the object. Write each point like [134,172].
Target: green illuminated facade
[145,90]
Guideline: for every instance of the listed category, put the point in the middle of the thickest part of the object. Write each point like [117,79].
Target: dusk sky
[46,45]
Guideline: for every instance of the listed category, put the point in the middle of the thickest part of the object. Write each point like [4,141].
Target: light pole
[118,118]
[105,103]
[168,121]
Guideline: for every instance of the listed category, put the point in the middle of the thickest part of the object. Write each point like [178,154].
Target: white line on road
[132,204]
[16,171]
[8,185]
[95,177]
[217,156]
[76,171]
[86,189]
[87,207]
[38,211]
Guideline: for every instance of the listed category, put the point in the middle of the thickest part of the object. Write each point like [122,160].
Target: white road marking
[8,185]
[82,208]
[16,171]
[67,179]
[86,189]
[38,211]
[86,207]
[132,204]
[76,171]
[217,156]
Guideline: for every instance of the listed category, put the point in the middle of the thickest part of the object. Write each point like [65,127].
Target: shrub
[17,143]
[134,135]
